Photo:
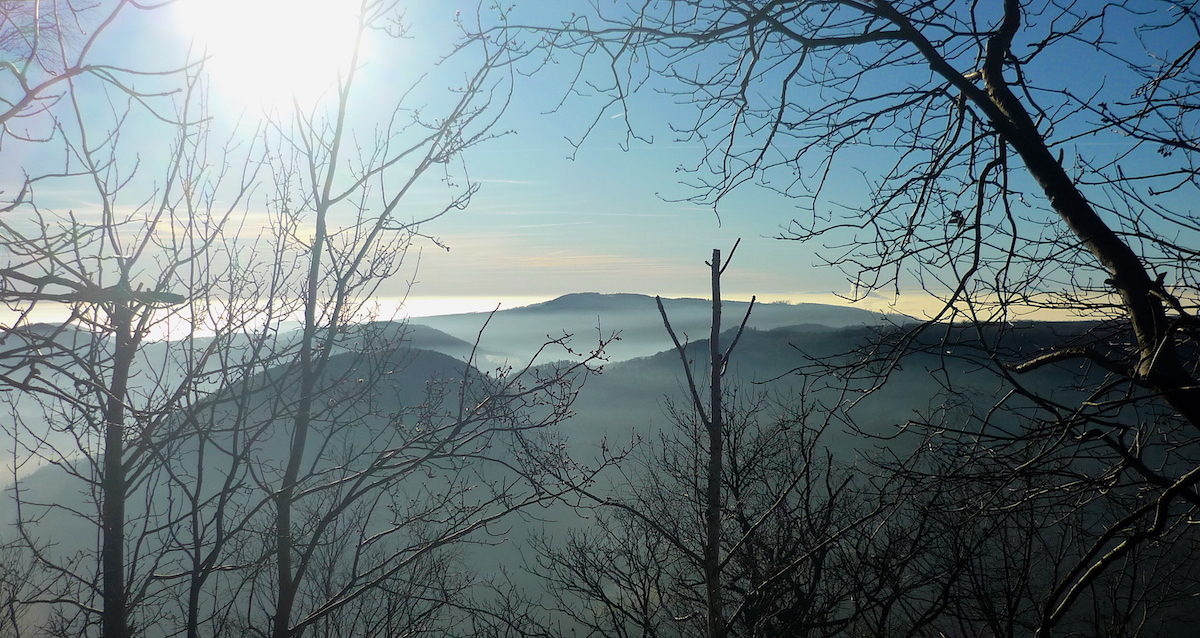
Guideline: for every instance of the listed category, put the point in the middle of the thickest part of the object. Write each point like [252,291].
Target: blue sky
[548,219]
[545,223]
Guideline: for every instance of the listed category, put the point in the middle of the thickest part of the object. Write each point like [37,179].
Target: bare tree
[394,485]
[124,269]
[734,521]
[241,476]
[997,176]
[950,126]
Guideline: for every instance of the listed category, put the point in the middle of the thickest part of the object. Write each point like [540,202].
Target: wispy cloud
[509,181]
[635,214]
[608,264]
[552,224]
[525,211]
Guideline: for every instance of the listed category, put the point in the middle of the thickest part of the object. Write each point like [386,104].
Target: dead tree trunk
[712,505]
[712,418]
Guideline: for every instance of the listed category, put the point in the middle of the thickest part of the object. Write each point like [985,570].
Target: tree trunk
[285,572]
[114,617]
[1158,366]
[715,425]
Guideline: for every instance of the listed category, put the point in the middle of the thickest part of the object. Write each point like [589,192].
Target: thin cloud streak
[521,182]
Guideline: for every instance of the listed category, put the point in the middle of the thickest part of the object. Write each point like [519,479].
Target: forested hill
[803,362]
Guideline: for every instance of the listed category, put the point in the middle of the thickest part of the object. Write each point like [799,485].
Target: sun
[267,53]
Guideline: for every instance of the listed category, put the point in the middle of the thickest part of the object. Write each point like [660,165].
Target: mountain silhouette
[635,319]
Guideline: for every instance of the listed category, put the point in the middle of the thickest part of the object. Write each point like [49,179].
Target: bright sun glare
[264,53]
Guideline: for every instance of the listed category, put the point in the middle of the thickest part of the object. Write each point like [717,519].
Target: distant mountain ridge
[515,333]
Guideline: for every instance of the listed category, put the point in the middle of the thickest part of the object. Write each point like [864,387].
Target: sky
[548,219]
